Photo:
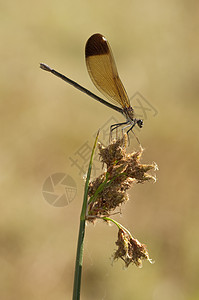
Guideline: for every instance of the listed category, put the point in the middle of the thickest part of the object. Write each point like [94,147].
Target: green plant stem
[113,221]
[120,226]
[79,254]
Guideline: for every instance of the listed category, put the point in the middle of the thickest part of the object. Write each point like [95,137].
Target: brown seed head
[109,190]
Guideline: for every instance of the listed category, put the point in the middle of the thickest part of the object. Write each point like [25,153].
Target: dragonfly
[103,72]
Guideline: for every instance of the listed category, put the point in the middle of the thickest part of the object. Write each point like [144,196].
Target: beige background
[45,121]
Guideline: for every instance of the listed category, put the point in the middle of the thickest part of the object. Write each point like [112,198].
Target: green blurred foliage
[44,122]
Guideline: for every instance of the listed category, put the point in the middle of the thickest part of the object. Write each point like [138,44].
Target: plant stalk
[80,244]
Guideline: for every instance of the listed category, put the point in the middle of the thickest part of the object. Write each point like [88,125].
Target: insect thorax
[129,113]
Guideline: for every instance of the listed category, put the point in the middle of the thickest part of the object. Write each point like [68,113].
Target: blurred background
[47,130]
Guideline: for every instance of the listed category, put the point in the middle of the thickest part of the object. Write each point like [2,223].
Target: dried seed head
[130,250]
[113,152]
[109,190]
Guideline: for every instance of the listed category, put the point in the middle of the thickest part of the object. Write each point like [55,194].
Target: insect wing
[103,71]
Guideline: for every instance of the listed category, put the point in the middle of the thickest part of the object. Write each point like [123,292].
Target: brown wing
[102,70]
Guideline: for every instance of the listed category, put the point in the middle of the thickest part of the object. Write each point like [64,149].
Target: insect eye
[140,123]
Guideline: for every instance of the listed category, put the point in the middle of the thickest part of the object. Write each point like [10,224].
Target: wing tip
[96,45]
